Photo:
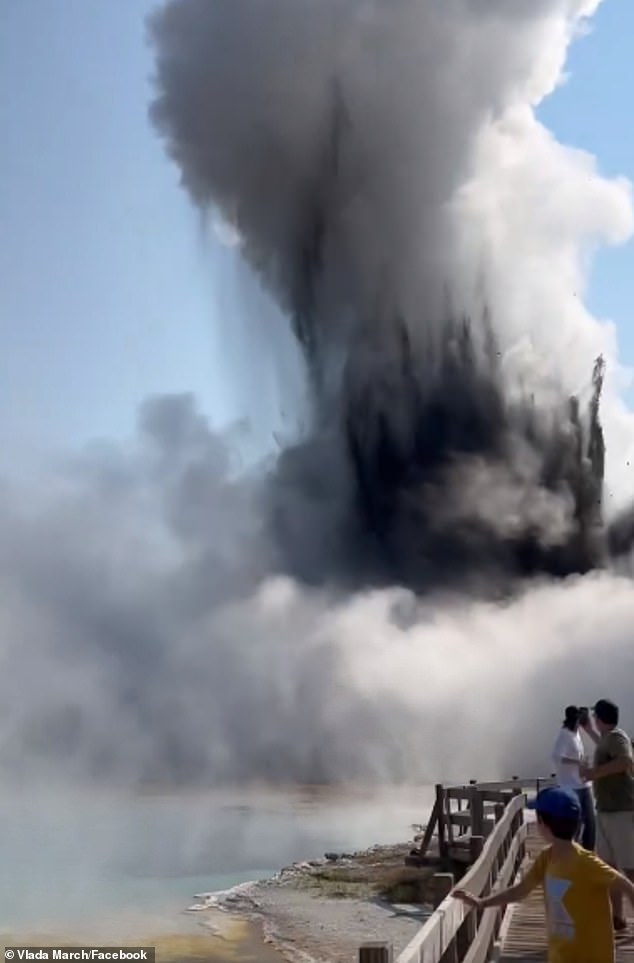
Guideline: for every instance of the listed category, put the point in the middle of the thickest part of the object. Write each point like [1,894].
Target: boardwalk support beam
[443,836]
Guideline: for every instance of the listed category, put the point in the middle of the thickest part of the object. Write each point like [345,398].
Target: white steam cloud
[142,639]
[150,629]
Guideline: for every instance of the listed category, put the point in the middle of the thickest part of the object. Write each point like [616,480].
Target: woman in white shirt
[568,756]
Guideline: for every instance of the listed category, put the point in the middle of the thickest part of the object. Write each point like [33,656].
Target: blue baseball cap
[556,802]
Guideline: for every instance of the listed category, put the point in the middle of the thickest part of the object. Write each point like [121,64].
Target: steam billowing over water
[435,551]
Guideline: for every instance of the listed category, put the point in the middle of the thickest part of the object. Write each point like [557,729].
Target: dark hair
[562,827]
[607,712]
[571,717]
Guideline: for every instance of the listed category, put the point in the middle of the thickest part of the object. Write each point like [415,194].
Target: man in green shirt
[612,775]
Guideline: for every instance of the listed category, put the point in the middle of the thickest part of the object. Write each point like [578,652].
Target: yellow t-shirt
[578,909]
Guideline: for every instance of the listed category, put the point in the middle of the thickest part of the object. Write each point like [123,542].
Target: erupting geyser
[338,135]
[337,612]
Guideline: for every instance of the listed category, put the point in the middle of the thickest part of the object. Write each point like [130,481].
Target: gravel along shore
[322,911]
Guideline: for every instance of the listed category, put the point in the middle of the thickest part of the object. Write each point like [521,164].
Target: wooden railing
[461,812]
[454,933]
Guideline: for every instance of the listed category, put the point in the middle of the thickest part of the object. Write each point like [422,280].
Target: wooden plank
[458,792]
[503,796]
[429,830]
[462,818]
[448,823]
[463,793]
[625,944]
[476,845]
[489,792]
[476,807]
[518,782]
[440,817]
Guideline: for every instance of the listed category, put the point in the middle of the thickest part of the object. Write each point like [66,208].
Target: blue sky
[106,290]
[593,111]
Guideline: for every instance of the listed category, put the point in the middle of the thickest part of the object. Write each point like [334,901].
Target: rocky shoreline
[321,911]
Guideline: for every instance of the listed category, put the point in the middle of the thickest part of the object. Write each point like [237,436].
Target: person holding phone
[569,757]
[612,775]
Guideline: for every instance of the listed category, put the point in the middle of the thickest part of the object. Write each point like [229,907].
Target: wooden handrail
[492,836]
[461,791]
[439,932]
[491,918]
[477,804]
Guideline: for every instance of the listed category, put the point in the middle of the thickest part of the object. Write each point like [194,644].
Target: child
[576,886]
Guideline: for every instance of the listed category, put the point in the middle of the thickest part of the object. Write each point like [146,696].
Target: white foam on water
[223,898]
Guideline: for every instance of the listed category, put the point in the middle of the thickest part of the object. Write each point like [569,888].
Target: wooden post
[443,848]
[466,935]
[470,929]
[472,783]
[376,953]
[521,853]
[429,830]
[443,884]
[476,845]
[477,813]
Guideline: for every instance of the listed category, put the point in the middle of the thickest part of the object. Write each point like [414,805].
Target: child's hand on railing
[466,897]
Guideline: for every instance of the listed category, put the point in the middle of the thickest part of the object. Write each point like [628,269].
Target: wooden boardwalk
[485,840]
[524,937]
